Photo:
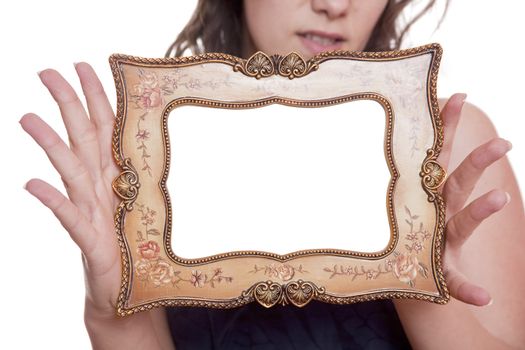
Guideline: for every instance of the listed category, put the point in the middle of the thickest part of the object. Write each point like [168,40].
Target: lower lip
[315,47]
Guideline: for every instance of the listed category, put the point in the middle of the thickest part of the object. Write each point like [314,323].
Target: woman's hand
[463,219]
[479,246]
[87,169]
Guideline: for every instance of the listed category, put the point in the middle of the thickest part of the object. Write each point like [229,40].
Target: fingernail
[39,72]
[463,96]
[508,197]
[490,302]
[75,64]
[510,144]
[25,186]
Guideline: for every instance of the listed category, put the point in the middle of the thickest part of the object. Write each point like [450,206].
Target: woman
[474,196]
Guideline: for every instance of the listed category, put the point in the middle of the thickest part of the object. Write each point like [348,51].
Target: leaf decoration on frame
[266,293]
[147,218]
[293,66]
[300,293]
[126,185]
[433,175]
[269,293]
[260,65]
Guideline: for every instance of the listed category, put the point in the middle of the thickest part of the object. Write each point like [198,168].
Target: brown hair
[216,26]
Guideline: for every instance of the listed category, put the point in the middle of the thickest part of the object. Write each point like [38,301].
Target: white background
[293,181]
[42,283]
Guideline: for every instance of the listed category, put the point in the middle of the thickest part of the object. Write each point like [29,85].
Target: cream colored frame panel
[403,82]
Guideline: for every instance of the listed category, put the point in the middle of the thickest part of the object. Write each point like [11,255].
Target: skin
[484,230]
[351,22]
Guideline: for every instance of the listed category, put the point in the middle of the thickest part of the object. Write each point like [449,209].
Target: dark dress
[370,325]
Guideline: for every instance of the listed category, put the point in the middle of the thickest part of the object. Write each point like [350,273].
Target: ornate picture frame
[403,82]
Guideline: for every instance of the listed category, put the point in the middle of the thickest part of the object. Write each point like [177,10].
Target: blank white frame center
[286,178]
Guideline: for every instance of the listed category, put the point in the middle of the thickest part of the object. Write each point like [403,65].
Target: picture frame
[403,83]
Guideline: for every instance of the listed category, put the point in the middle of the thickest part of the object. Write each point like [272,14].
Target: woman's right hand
[87,169]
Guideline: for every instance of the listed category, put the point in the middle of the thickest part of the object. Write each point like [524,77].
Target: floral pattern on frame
[410,267]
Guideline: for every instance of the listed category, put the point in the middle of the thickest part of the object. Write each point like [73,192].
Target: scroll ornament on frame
[410,265]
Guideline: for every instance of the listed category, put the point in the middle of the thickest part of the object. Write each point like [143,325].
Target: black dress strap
[369,325]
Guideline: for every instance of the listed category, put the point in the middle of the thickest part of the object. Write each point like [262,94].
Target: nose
[331,8]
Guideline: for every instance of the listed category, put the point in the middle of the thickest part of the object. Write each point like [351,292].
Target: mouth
[317,41]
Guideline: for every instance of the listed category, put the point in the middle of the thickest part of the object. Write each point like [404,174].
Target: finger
[74,175]
[461,182]
[461,289]
[79,228]
[99,109]
[460,226]
[82,133]
[103,118]
[450,115]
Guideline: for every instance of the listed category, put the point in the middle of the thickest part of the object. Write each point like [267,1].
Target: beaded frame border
[299,293]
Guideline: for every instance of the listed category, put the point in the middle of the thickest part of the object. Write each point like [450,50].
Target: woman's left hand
[461,219]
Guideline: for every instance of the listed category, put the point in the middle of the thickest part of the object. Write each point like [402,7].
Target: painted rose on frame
[285,272]
[149,250]
[405,268]
[147,93]
[163,273]
[151,98]
[157,271]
